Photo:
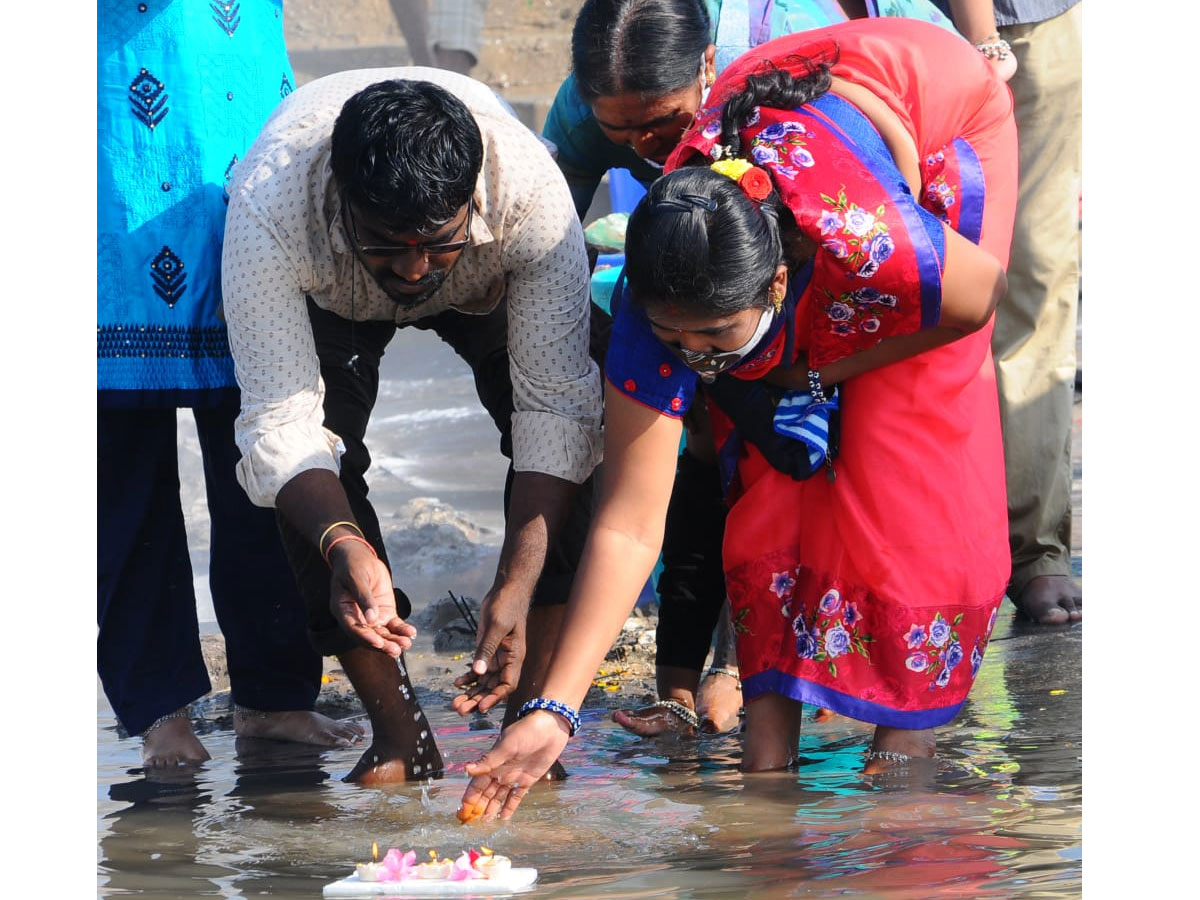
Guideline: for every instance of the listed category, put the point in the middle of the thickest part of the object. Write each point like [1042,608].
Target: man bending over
[381,199]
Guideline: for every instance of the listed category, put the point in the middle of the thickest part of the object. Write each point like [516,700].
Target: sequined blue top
[182,89]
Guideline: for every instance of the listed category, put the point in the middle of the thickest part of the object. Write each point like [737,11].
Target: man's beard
[430,284]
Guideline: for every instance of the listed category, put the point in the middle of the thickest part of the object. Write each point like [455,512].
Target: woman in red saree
[847,248]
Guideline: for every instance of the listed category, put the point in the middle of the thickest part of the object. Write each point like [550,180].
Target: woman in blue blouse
[642,68]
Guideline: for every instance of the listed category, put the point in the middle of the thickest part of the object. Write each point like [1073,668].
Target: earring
[709,78]
[776,298]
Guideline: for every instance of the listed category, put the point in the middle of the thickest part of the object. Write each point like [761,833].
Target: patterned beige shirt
[284,240]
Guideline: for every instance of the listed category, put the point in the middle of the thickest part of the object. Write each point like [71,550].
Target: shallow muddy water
[997,816]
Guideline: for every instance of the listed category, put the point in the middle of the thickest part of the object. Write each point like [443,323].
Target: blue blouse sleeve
[641,367]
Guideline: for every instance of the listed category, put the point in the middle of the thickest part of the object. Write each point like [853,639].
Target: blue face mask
[709,365]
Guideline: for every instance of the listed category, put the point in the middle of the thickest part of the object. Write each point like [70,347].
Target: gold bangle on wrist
[325,534]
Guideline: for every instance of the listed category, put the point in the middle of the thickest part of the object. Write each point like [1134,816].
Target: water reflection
[997,815]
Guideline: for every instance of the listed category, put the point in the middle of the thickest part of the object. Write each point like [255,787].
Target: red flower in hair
[756,184]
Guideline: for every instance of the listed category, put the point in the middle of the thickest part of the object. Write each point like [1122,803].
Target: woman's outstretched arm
[640,449]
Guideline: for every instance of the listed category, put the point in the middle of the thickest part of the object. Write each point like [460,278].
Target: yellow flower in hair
[732,168]
[754,182]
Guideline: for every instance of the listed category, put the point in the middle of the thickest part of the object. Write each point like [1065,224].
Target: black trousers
[691,588]
[148,648]
[350,396]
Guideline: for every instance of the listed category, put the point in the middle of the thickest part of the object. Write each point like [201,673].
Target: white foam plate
[515,881]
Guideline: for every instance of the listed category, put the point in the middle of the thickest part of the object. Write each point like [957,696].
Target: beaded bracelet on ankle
[554,706]
[724,670]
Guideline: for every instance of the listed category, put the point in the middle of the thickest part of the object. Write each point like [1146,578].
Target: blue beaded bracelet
[554,706]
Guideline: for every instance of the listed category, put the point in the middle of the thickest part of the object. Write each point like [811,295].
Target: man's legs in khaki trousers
[1034,339]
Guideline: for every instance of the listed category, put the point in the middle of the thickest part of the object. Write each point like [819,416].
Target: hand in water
[499,654]
[363,602]
[523,755]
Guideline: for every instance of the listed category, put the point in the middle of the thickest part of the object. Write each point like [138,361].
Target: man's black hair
[406,153]
[647,47]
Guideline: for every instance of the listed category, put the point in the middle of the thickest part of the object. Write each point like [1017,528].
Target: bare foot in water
[1051,600]
[403,746]
[719,701]
[299,725]
[172,743]
[381,764]
[665,717]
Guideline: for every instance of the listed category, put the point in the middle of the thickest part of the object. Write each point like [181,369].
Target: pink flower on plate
[463,869]
[399,865]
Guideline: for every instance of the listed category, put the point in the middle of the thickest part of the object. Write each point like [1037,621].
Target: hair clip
[686,202]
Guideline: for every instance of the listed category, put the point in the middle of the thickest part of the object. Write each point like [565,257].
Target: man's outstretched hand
[499,654]
[363,602]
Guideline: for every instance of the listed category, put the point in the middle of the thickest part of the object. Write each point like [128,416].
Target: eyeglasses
[430,248]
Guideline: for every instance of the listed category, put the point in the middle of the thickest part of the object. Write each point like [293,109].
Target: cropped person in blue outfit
[182,90]
[641,70]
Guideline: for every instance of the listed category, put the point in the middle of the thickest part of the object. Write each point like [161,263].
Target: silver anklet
[726,670]
[889,755]
[688,715]
[162,720]
[250,713]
